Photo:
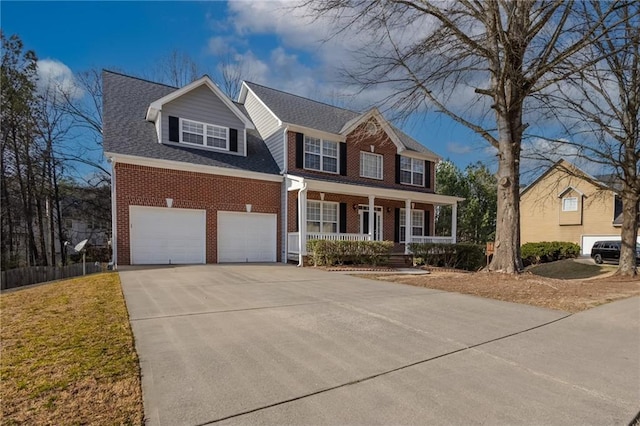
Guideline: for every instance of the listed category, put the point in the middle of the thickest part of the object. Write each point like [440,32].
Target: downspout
[284,208]
[114,216]
[302,224]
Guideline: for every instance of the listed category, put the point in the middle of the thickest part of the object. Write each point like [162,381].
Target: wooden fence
[19,277]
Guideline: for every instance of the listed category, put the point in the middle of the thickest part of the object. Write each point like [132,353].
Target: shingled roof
[294,109]
[126,131]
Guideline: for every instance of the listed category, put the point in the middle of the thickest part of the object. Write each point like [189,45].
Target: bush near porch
[469,257]
[329,252]
[548,251]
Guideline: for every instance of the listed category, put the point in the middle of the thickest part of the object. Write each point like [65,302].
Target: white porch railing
[438,240]
[292,238]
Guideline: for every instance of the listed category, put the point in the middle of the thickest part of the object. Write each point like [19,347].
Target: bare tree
[177,69]
[232,71]
[427,53]
[600,108]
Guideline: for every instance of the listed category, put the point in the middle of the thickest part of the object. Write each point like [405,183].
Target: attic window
[196,133]
[570,204]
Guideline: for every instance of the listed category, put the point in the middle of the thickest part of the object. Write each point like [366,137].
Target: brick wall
[150,186]
[358,141]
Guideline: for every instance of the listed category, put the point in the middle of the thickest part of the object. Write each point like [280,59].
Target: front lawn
[68,355]
[570,269]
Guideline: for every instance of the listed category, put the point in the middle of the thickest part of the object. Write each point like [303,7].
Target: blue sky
[276,48]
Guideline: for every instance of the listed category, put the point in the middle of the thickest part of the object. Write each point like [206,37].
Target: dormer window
[320,154]
[202,134]
[570,204]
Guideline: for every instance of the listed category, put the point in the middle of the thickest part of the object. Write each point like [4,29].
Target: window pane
[192,138]
[312,161]
[313,211]
[403,218]
[417,217]
[330,212]
[405,163]
[370,165]
[313,226]
[417,231]
[330,164]
[330,148]
[418,165]
[329,227]
[402,233]
[417,178]
[405,177]
[312,145]
[216,143]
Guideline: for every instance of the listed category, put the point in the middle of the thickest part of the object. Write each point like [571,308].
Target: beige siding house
[567,204]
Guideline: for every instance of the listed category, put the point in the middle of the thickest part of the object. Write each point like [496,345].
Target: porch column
[454,221]
[302,224]
[407,228]
[372,215]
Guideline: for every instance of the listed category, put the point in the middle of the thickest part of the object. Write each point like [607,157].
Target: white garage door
[589,240]
[246,237]
[163,236]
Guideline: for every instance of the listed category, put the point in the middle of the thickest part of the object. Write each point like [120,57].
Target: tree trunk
[629,233]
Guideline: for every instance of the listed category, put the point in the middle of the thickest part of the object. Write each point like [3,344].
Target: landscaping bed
[68,355]
[571,295]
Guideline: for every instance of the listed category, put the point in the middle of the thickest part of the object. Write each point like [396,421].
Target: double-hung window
[320,154]
[417,224]
[322,217]
[196,133]
[370,165]
[570,204]
[411,171]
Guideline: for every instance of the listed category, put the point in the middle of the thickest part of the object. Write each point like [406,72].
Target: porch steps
[401,260]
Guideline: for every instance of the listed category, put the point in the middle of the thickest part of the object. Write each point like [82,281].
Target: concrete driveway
[274,344]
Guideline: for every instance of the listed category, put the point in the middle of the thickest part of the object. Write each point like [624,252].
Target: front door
[365,221]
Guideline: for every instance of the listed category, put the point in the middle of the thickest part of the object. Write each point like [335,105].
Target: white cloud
[55,75]
[458,148]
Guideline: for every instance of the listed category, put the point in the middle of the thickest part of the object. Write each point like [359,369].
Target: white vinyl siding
[370,165]
[411,171]
[322,217]
[320,154]
[417,224]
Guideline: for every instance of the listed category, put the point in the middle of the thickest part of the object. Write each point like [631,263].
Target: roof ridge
[302,97]
[139,78]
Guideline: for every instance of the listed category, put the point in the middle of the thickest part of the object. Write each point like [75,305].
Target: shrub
[469,257]
[548,251]
[328,253]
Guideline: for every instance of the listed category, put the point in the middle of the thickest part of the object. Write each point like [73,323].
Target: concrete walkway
[273,344]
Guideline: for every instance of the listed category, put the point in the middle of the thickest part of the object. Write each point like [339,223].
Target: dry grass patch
[68,355]
[565,295]
[569,269]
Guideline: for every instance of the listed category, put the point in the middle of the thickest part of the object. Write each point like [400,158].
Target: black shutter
[174,129]
[365,222]
[299,150]
[233,140]
[427,174]
[397,168]
[343,218]
[297,217]
[396,226]
[343,159]
[427,223]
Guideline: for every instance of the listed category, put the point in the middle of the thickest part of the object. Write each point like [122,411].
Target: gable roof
[156,105]
[126,130]
[569,167]
[304,112]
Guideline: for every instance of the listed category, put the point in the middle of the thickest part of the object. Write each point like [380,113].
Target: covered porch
[326,210]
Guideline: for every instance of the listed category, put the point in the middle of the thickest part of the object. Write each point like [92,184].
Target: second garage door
[246,237]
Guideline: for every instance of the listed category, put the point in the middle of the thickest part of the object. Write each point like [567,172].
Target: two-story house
[199,178]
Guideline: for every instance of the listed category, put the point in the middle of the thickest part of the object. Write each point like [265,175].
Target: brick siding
[149,186]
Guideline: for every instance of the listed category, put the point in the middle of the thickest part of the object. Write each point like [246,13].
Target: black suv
[610,251]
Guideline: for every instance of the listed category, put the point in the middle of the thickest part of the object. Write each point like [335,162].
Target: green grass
[68,355]
[570,269]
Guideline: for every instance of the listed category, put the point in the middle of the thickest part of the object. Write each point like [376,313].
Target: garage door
[589,240]
[246,237]
[167,236]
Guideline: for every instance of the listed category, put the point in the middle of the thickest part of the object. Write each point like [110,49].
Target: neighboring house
[199,178]
[567,204]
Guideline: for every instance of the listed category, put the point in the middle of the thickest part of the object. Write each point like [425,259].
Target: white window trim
[322,155]
[567,199]
[402,216]
[365,153]
[204,134]
[322,221]
[424,171]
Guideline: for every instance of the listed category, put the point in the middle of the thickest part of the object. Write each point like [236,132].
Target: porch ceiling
[365,191]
